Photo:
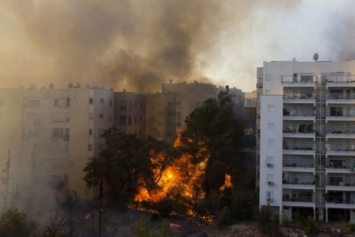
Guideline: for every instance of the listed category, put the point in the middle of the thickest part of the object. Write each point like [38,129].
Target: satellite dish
[315,57]
[51,86]
[70,85]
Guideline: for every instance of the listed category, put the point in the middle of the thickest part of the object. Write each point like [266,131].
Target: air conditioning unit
[270,200]
[269,165]
[270,183]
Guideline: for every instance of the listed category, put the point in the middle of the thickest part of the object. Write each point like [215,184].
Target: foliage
[268,222]
[309,225]
[142,228]
[348,226]
[224,217]
[241,203]
[214,135]
[56,227]
[16,223]
[124,162]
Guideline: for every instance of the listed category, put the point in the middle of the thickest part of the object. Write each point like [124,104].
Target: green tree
[16,223]
[214,135]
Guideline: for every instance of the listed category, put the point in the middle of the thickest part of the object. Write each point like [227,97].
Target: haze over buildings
[140,44]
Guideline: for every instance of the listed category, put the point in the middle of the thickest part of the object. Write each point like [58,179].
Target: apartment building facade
[48,135]
[307,139]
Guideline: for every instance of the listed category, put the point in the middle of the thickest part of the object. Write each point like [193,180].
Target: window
[271,108]
[178,124]
[60,134]
[123,120]
[123,105]
[101,115]
[336,111]
[33,103]
[270,178]
[68,102]
[271,126]
[270,161]
[271,143]
[90,131]
[56,103]
[129,120]
[91,116]
[91,100]
[270,196]
[268,77]
[110,103]
[89,147]
[102,100]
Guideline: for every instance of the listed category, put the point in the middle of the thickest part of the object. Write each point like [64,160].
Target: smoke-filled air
[137,45]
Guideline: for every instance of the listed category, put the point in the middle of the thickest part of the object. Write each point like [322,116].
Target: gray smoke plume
[136,45]
[133,45]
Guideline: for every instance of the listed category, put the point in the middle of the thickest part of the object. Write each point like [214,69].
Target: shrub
[224,217]
[16,223]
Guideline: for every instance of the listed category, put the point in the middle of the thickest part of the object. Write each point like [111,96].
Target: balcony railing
[340,166]
[306,129]
[298,148]
[340,96]
[295,164]
[286,198]
[290,112]
[339,79]
[340,200]
[340,130]
[332,181]
[300,181]
[345,148]
[298,79]
[302,96]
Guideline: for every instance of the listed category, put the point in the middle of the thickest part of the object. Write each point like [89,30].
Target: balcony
[301,131]
[299,98]
[341,183]
[339,202]
[340,98]
[342,132]
[306,114]
[299,183]
[340,150]
[298,166]
[298,201]
[298,80]
[340,81]
[338,167]
[340,114]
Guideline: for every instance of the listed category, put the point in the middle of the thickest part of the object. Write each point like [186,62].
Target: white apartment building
[307,139]
[48,135]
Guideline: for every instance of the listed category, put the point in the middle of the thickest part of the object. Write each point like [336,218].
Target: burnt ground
[121,223]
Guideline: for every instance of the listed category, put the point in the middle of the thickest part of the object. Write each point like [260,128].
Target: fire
[179,178]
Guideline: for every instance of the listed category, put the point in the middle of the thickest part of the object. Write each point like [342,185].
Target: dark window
[91,100]
[123,120]
[90,131]
[101,115]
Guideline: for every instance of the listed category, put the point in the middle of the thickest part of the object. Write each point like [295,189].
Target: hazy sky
[138,44]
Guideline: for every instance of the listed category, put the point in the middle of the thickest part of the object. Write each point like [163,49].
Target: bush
[16,223]
[224,217]
[268,222]
[309,225]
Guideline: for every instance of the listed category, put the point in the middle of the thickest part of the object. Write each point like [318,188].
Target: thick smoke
[133,45]
[136,45]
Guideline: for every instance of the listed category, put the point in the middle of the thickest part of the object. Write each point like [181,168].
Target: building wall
[50,134]
[319,96]
[130,112]
[181,99]
[271,151]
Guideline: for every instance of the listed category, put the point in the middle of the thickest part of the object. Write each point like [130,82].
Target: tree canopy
[214,135]
[124,162]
